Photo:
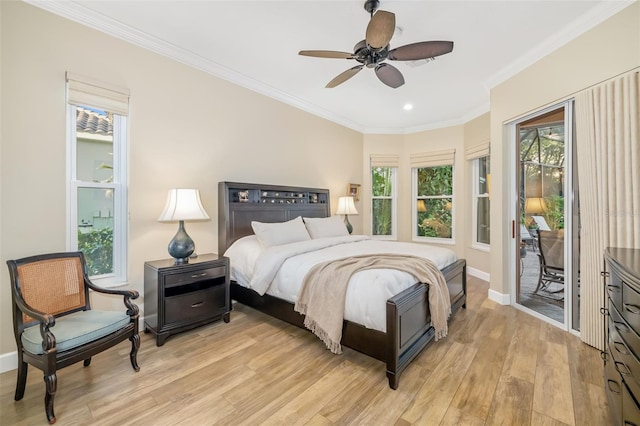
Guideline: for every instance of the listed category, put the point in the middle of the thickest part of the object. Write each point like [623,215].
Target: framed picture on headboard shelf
[354,190]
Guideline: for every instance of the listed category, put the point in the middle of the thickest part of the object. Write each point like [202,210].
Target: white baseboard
[484,276]
[503,299]
[8,361]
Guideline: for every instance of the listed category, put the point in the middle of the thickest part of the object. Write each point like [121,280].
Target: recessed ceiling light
[408,107]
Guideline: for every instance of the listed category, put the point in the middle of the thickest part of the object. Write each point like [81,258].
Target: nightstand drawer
[193,276]
[195,305]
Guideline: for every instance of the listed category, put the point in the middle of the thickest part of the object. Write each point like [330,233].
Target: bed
[407,326]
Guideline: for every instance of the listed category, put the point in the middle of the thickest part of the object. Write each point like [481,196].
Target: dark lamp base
[181,246]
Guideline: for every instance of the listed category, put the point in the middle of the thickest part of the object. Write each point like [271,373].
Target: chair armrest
[132,308]
[46,322]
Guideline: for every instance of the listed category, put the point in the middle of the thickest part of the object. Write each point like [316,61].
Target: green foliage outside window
[97,246]
[381,184]
[434,214]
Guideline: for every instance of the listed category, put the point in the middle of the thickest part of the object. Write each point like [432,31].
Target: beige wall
[476,132]
[187,129]
[605,51]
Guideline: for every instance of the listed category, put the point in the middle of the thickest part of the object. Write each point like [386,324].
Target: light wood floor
[497,366]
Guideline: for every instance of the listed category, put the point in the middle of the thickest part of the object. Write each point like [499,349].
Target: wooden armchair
[54,324]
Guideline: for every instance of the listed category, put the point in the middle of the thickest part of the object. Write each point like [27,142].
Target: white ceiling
[255,44]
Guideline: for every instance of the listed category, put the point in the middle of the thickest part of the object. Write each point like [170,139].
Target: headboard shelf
[240,203]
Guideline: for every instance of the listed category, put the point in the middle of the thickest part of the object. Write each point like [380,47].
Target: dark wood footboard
[409,328]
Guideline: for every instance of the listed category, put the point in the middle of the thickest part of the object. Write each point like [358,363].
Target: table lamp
[182,204]
[346,207]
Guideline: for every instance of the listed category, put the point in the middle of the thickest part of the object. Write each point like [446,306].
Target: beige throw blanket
[324,290]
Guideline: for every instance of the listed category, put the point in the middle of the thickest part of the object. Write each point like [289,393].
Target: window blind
[84,91]
[384,160]
[477,151]
[433,159]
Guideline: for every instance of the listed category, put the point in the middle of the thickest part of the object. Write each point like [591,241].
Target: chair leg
[87,362]
[21,382]
[51,382]
[135,345]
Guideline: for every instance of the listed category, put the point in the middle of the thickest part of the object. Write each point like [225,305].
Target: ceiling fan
[374,50]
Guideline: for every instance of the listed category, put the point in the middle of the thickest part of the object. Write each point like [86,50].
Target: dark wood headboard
[240,203]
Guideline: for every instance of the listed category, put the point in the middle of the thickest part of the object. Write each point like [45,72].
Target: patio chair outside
[551,255]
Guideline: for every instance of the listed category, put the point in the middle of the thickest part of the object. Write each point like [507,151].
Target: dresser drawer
[620,325]
[193,276]
[625,362]
[195,305]
[630,409]
[613,388]
[630,309]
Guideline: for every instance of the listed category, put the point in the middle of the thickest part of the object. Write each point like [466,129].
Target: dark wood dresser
[622,334]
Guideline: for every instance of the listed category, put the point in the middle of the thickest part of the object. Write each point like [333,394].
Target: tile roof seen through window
[93,122]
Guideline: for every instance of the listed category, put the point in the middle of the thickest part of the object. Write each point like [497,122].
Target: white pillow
[274,234]
[325,227]
[242,256]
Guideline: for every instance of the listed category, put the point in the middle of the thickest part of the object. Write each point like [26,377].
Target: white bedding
[279,270]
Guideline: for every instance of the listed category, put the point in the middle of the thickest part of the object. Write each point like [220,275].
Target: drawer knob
[620,348]
[622,328]
[620,366]
[634,309]
[204,274]
[197,305]
[613,386]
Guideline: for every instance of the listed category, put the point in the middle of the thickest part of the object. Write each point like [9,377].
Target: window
[97,141]
[478,155]
[433,202]
[383,185]
[481,227]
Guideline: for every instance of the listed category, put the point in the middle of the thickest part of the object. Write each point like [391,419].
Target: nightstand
[185,296]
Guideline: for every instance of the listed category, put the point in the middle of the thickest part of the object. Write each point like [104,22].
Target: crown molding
[78,13]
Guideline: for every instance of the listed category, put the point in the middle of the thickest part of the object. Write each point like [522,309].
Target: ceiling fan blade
[389,75]
[380,29]
[344,76]
[421,50]
[326,54]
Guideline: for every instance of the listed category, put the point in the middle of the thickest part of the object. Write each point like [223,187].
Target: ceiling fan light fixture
[374,50]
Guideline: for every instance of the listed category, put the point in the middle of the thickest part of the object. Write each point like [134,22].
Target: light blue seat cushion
[76,329]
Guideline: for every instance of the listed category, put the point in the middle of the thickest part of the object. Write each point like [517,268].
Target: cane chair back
[54,286]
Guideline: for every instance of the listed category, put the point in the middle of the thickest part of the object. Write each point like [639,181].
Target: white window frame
[475,167]
[414,204]
[120,197]
[394,203]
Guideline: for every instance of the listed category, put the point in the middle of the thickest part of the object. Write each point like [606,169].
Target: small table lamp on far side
[182,204]
[346,207]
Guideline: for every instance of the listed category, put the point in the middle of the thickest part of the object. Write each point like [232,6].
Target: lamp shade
[346,206]
[534,205]
[421,206]
[183,204]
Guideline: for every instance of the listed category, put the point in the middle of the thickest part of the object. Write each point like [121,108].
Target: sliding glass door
[545,210]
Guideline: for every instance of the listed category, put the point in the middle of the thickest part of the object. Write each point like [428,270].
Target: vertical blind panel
[384,160]
[433,159]
[89,92]
[607,131]
[477,151]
